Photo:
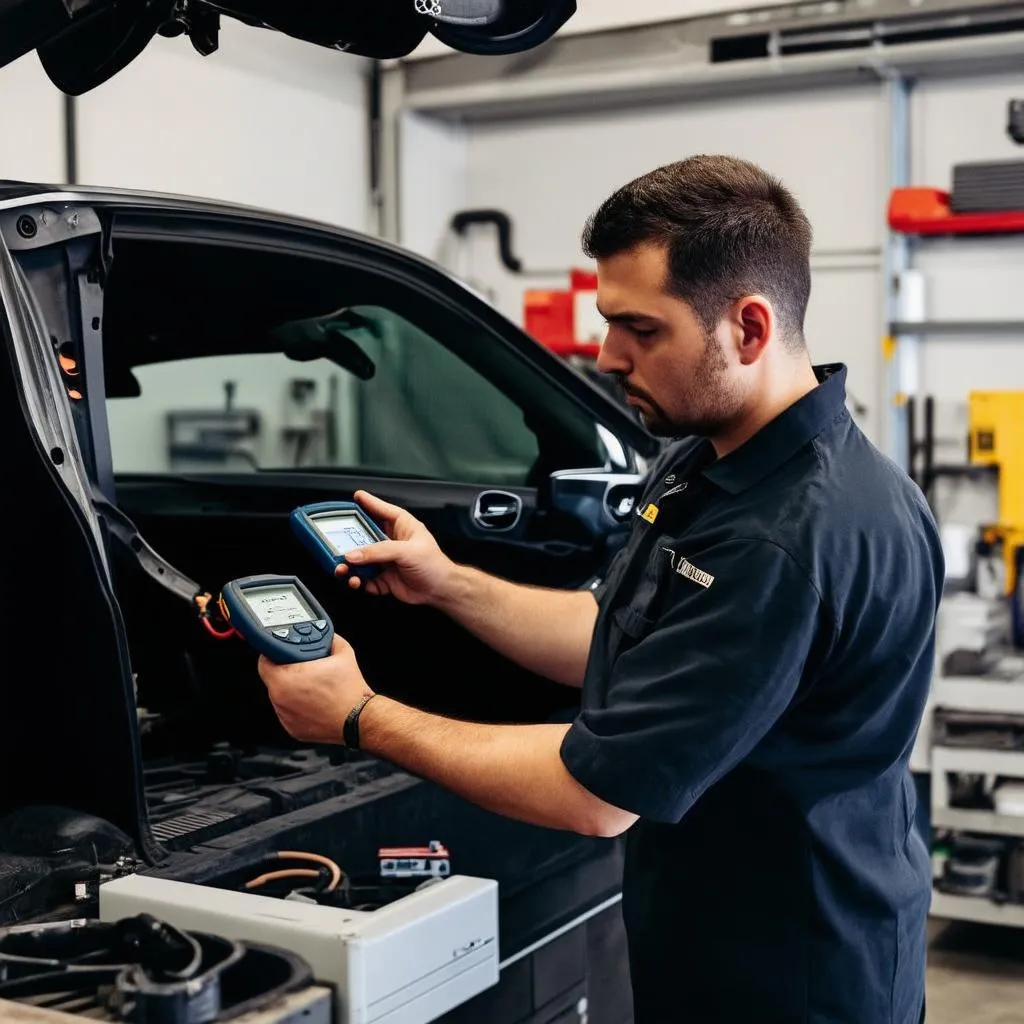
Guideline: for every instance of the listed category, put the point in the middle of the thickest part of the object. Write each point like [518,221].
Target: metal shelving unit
[974,908]
[978,760]
[905,339]
[979,821]
[979,695]
[967,693]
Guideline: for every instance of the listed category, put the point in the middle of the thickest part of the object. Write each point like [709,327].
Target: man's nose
[612,358]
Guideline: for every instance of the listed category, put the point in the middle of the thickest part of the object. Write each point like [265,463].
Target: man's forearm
[545,631]
[514,770]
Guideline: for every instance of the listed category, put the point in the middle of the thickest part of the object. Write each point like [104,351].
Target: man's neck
[774,401]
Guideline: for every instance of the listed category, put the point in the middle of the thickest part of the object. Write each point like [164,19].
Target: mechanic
[754,667]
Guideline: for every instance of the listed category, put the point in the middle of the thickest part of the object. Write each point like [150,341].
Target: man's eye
[644,332]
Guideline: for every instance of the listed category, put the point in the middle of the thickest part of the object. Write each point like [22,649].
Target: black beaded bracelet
[350,731]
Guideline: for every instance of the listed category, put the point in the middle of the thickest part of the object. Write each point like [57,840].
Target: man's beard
[710,403]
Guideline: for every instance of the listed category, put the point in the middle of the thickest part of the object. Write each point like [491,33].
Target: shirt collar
[780,439]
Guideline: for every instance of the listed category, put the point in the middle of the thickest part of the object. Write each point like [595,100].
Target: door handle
[497,511]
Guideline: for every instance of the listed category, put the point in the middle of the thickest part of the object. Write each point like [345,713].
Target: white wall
[550,174]
[433,184]
[32,139]
[267,121]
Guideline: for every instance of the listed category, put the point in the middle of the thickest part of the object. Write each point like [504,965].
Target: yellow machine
[997,439]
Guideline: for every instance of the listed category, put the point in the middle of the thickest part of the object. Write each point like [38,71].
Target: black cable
[162,942]
[72,979]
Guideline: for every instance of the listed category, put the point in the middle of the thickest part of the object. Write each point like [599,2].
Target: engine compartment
[193,802]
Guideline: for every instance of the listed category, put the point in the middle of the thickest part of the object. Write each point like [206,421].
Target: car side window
[364,391]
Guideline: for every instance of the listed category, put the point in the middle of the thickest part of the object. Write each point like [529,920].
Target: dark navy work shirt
[758,673]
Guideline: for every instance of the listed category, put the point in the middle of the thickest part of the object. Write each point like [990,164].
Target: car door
[252,366]
[81,688]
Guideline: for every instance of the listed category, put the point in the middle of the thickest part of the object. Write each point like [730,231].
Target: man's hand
[515,770]
[313,698]
[416,570]
[544,631]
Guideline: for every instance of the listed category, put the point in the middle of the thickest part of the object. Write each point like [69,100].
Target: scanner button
[305,628]
[320,623]
[295,638]
[282,633]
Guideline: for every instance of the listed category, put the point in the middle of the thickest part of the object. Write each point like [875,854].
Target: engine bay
[191,802]
[141,968]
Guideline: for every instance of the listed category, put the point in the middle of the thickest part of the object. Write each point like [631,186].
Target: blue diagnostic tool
[279,617]
[331,528]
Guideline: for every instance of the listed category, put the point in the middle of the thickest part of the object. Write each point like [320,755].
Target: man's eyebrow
[627,316]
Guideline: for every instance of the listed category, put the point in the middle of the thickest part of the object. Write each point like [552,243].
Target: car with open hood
[177,376]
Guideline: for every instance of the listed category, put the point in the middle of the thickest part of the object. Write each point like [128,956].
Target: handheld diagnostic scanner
[330,529]
[279,617]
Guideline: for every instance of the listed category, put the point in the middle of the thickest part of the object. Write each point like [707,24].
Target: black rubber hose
[502,222]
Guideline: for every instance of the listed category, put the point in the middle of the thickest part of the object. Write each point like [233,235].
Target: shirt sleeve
[693,697]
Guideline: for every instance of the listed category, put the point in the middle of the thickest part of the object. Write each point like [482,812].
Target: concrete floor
[975,974]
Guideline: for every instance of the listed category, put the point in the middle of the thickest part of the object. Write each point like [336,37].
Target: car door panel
[411,653]
[546,547]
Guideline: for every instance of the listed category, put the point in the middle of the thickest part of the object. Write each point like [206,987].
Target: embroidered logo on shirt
[684,567]
[678,489]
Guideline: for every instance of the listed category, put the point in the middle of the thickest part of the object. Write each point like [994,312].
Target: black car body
[132,740]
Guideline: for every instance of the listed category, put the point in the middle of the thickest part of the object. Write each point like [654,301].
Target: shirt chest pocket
[633,623]
[638,615]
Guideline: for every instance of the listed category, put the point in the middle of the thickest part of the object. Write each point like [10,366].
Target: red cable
[217,634]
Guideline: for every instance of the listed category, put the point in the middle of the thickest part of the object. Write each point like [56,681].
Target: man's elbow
[586,813]
[600,820]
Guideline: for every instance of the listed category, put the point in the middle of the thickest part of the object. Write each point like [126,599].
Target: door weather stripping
[152,563]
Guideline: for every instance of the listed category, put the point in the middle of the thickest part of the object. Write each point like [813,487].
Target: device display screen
[343,531]
[278,606]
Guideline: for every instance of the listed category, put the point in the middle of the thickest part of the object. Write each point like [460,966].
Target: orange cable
[274,876]
[316,858]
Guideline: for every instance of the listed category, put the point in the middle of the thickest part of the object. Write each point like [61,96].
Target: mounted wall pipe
[503,225]
[465,219]
[70,141]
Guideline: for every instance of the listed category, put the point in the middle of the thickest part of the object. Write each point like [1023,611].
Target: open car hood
[82,43]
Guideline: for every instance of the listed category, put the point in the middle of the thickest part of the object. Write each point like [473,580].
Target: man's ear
[754,318]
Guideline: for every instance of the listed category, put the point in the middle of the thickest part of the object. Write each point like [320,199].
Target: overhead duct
[792,46]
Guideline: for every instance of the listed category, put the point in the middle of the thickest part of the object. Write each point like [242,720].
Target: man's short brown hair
[730,229]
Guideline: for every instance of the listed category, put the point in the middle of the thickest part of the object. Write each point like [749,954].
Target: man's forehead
[645,262]
[632,284]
